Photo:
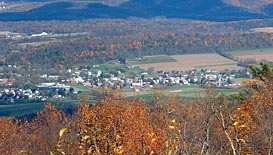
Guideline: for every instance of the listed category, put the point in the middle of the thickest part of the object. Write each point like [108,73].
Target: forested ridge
[99,40]
[209,10]
[219,124]
[249,3]
[95,50]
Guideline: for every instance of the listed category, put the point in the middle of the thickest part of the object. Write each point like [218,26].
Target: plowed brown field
[258,56]
[193,61]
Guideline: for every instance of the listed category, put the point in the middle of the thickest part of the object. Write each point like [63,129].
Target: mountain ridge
[250,4]
[211,10]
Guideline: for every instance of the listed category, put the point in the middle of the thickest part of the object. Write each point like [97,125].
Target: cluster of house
[10,35]
[117,80]
[144,80]
[3,5]
[56,90]
[6,82]
[40,34]
[40,93]
[11,95]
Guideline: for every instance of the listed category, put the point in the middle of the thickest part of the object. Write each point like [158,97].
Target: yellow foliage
[63,131]
[171,127]
[172,121]
[167,143]
[119,150]
[242,126]
[61,151]
[89,151]
[118,137]
[151,134]
[242,140]
[235,123]
[86,137]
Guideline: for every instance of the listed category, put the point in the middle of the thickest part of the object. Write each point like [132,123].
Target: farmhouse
[40,35]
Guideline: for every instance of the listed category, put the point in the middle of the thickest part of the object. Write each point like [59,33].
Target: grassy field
[153,59]
[79,87]
[187,92]
[188,62]
[265,54]
[30,108]
[250,51]
[115,66]
[239,80]
[20,109]
[105,67]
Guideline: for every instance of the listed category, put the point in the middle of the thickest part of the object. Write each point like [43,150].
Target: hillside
[268,9]
[66,11]
[214,10]
[96,50]
[211,10]
[251,4]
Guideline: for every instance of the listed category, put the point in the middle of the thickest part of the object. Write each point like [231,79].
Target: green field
[113,67]
[30,108]
[187,92]
[250,51]
[239,80]
[153,59]
[135,70]
[20,109]
[79,87]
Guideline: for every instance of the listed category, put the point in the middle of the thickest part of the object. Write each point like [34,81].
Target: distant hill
[251,4]
[211,10]
[268,9]
[66,11]
[215,10]
[106,2]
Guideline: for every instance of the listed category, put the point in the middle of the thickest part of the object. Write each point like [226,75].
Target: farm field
[187,92]
[257,55]
[263,29]
[31,108]
[250,51]
[188,62]
[154,59]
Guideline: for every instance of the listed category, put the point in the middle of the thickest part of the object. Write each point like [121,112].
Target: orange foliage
[117,125]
